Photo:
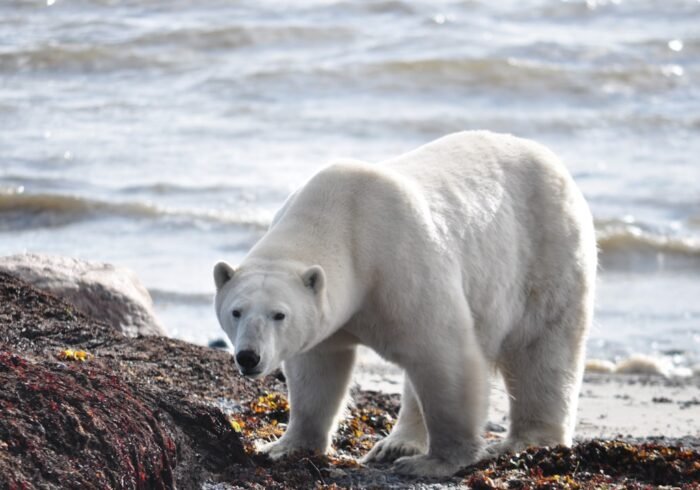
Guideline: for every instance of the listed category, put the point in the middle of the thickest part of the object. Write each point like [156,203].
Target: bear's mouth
[251,373]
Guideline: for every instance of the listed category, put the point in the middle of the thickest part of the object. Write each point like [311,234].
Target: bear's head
[270,311]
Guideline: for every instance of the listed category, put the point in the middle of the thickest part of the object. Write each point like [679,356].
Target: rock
[494,427]
[218,344]
[137,413]
[111,294]
[600,366]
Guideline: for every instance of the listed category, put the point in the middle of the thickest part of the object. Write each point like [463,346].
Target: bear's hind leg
[408,437]
[543,378]
[318,382]
[450,376]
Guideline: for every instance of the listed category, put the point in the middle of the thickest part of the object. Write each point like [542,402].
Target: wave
[516,73]
[231,37]
[24,211]
[10,184]
[499,72]
[624,245]
[614,236]
[619,242]
[166,188]
[81,58]
[159,48]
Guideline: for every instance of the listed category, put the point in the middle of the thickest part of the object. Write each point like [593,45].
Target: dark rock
[218,344]
[494,427]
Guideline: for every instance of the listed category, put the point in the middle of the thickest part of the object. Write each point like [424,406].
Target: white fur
[473,251]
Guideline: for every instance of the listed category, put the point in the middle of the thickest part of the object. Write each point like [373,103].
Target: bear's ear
[314,278]
[223,274]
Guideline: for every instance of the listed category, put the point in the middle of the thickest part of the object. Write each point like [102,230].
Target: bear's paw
[285,447]
[393,447]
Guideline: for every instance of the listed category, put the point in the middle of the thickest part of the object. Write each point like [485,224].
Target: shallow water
[163,135]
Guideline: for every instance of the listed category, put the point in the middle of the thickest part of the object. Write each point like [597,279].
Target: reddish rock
[138,413]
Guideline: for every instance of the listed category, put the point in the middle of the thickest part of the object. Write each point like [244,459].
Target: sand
[610,406]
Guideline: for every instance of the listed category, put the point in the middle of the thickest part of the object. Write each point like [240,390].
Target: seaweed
[591,464]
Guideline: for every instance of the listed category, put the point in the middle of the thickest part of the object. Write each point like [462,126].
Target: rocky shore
[83,405]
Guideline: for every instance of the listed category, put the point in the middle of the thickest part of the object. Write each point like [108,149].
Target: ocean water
[162,135]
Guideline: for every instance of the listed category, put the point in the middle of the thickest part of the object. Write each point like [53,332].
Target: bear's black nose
[247,359]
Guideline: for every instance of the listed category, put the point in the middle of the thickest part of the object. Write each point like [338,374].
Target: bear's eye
[278,317]
[236,313]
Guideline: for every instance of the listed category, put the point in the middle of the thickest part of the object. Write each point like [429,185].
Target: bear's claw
[275,450]
[282,448]
[392,448]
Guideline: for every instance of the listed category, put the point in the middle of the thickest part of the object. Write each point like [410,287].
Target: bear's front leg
[452,386]
[317,382]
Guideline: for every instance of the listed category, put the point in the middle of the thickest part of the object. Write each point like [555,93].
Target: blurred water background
[162,135]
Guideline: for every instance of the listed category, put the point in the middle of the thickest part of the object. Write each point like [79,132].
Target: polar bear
[473,252]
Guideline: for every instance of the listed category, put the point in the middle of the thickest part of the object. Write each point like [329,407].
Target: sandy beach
[638,406]
[610,406]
